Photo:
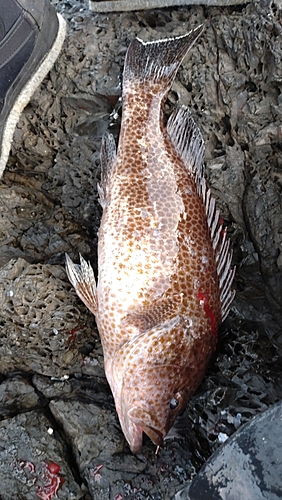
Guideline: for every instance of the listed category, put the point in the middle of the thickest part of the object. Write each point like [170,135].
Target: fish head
[150,403]
[154,371]
[152,419]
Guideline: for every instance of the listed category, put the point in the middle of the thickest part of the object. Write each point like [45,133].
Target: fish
[164,263]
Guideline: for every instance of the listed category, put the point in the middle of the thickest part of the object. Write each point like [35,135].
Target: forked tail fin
[157,62]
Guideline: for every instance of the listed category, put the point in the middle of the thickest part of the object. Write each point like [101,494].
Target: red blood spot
[48,491]
[47,474]
[203,298]
[97,469]
[50,479]
[53,467]
[72,334]
[96,472]
[29,465]
[163,467]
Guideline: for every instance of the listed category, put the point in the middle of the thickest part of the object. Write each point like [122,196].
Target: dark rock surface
[247,466]
[51,360]
[42,332]
[33,460]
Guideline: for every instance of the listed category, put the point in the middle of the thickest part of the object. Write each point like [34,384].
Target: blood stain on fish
[209,313]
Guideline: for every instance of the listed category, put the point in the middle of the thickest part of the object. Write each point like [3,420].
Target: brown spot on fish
[164,273]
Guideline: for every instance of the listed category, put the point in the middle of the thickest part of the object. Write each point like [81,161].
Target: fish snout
[141,415]
[134,438]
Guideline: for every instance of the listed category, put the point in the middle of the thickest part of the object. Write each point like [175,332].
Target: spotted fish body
[163,261]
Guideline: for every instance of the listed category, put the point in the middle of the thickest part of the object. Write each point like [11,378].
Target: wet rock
[42,329]
[79,387]
[105,461]
[17,396]
[263,212]
[52,388]
[32,226]
[248,464]
[236,387]
[93,430]
[33,460]
[253,303]
[229,182]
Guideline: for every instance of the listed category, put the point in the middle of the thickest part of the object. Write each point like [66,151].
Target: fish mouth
[140,420]
[154,434]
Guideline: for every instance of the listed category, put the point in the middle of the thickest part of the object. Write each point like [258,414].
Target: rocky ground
[59,433]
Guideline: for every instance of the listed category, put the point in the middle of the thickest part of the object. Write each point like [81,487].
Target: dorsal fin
[189,145]
[157,61]
[187,140]
[107,157]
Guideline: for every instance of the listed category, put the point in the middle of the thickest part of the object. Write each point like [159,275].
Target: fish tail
[157,62]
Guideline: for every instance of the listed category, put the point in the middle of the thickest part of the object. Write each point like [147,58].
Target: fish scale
[164,273]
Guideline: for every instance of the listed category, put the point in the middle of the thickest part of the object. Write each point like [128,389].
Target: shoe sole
[27,91]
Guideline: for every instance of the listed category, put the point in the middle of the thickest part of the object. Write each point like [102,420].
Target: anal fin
[83,280]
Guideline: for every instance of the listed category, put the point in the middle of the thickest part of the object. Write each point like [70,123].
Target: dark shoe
[31,37]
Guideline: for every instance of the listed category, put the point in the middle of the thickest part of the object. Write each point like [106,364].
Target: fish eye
[174,403]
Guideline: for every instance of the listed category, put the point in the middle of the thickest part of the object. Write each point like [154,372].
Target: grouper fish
[164,273]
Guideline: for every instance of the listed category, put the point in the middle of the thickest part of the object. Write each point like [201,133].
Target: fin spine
[189,145]
[83,280]
[107,159]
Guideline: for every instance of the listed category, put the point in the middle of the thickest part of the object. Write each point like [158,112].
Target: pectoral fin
[144,318]
[83,280]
